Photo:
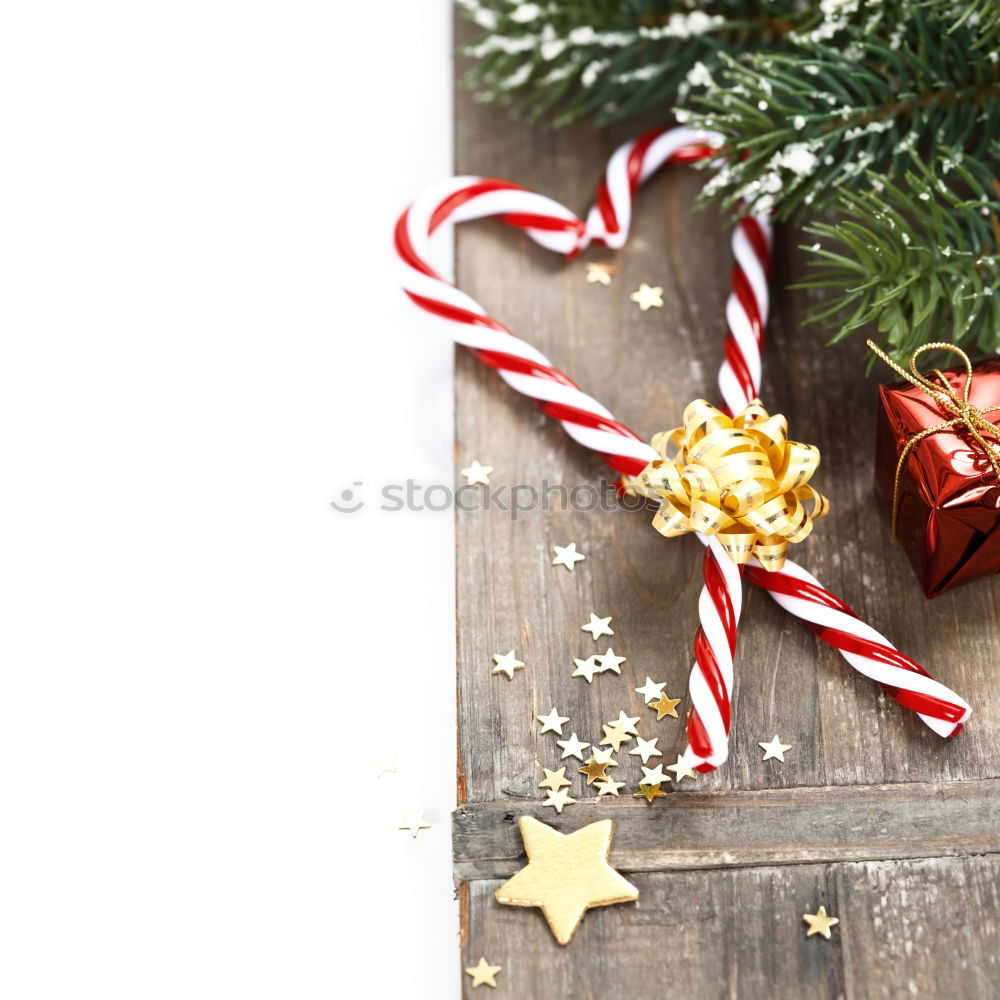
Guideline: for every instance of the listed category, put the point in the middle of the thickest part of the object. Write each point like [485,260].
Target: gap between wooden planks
[746,829]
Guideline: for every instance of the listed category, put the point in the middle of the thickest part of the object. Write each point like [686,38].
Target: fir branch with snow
[886,112]
[614,58]
[918,276]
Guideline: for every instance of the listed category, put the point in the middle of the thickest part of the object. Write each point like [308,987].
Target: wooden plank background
[915,878]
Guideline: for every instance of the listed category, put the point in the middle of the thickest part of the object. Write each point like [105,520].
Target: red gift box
[948,513]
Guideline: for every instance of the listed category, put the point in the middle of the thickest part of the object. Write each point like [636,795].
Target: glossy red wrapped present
[946,487]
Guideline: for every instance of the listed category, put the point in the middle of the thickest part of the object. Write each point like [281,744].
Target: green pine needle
[919,277]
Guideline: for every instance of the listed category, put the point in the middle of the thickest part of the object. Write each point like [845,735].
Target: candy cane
[869,652]
[528,371]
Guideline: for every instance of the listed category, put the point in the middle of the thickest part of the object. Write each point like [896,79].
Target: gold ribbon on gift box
[739,478]
[966,415]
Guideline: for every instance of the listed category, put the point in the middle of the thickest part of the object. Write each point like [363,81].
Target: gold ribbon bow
[966,415]
[739,478]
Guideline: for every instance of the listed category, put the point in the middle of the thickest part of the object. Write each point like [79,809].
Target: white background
[203,346]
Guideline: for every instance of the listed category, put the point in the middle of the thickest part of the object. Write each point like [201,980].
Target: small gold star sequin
[415,822]
[552,723]
[592,769]
[775,749]
[598,626]
[599,273]
[477,473]
[626,724]
[654,775]
[609,787]
[604,756]
[566,874]
[665,706]
[610,662]
[483,973]
[558,799]
[820,923]
[385,764]
[650,691]
[572,747]
[615,736]
[507,664]
[554,779]
[648,792]
[646,297]
[682,769]
[587,668]
[645,748]
[566,555]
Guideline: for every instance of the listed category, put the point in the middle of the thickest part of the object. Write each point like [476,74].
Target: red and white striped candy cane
[710,685]
[869,652]
[528,371]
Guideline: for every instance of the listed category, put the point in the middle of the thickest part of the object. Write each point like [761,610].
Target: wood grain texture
[907,928]
[740,829]
[845,734]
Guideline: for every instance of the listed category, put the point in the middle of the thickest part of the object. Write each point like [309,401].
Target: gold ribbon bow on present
[739,478]
[966,415]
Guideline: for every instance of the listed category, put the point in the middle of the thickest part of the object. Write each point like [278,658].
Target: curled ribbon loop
[738,478]
[966,415]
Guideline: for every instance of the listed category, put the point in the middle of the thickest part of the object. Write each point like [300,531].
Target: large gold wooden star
[566,874]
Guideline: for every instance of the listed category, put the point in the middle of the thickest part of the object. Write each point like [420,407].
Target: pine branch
[982,16]
[801,127]
[614,58]
[918,259]
[882,110]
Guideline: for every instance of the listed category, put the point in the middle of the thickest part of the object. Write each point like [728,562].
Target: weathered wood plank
[646,367]
[740,829]
[926,928]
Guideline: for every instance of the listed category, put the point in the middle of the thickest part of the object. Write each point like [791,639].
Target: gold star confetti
[645,748]
[820,923]
[682,769]
[552,723]
[654,775]
[599,273]
[566,555]
[558,799]
[647,298]
[507,664]
[572,747]
[775,749]
[566,874]
[650,691]
[476,473]
[626,724]
[598,626]
[415,822]
[586,668]
[648,792]
[604,756]
[609,787]
[614,736]
[592,769]
[554,779]
[665,706]
[483,973]
[610,662]
[385,764]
